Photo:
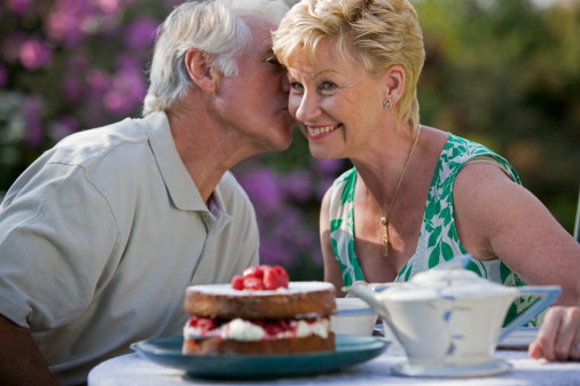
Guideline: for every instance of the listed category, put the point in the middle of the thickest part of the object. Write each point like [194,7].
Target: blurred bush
[507,74]
[504,73]
[69,65]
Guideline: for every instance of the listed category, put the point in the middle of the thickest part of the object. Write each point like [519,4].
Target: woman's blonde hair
[374,33]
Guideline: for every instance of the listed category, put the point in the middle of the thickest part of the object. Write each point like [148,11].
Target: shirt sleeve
[57,236]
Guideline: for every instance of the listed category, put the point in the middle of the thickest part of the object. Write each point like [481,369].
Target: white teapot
[451,317]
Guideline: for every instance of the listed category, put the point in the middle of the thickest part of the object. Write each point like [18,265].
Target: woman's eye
[327,86]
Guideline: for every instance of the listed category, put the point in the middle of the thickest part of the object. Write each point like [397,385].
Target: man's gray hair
[212,26]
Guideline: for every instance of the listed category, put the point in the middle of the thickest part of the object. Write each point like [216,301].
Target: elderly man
[101,235]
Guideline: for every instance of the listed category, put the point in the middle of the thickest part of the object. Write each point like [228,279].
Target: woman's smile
[319,132]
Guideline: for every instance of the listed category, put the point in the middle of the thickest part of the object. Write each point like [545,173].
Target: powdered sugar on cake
[293,288]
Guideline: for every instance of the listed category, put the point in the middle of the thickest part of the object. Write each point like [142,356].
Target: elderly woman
[417,196]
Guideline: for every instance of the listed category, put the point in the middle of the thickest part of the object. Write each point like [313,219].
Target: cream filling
[245,331]
[242,330]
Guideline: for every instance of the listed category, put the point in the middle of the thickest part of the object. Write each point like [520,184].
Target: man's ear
[200,70]
[394,81]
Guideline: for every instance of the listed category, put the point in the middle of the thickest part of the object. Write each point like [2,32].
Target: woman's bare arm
[332,272]
[497,218]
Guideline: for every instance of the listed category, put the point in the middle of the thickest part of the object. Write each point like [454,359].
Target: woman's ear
[394,80]
[200,71]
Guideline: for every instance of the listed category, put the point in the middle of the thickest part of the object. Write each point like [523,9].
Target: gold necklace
[385,216]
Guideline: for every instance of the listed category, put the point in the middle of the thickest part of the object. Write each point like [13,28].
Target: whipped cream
[242,330]
[246,331]
[319,328]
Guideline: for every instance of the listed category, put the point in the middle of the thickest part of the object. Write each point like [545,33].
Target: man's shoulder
[88,146]
[98,159]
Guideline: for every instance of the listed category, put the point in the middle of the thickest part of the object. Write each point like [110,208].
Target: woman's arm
[497,218]
[332,272]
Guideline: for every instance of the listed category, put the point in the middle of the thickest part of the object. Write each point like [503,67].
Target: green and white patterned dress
[438,239]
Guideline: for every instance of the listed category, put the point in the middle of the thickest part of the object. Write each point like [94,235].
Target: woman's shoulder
[459,151]
[343,186]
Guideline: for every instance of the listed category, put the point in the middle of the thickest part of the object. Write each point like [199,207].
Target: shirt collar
[180,186]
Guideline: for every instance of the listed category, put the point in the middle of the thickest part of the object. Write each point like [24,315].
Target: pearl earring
[387,104]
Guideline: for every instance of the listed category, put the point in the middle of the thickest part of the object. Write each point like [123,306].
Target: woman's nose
[306,107]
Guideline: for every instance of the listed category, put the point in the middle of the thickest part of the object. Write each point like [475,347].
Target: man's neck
[204,148]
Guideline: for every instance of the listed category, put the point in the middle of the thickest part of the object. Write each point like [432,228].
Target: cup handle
[547,295]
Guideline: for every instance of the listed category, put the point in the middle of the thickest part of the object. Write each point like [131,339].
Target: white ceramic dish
[494,367]
[353,317]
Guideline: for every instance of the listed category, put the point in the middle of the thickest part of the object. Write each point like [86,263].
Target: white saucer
[497,366]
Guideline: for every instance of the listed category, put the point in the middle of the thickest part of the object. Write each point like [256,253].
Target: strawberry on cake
[260,312]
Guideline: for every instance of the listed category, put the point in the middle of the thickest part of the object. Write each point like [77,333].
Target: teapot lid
[436,283]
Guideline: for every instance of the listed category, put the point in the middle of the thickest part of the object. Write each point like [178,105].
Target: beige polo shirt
[100,237]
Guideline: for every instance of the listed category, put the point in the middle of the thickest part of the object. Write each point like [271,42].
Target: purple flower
[323,186]
[63,126]
[32,110]
[127,90]
[316,255]
[19,7]
[74,79]
[286,224]
[327,167]
[170,4]
[11,47]
[274,252]
[298,184]
[108,6]
[263,189]
[70,21]
[98,80]
[141,33]
[3,76]
[35,54]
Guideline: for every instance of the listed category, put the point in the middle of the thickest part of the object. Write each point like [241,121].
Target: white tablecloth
[134,370]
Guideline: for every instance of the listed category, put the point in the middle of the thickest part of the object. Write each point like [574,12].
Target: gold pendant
[385,246]
[385,237]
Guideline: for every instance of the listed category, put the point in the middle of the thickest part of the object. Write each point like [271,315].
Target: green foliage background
[507,74]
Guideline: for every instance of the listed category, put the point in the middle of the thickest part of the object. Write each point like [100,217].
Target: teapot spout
[369,296]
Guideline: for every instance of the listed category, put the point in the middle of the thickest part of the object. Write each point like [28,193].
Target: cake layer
[220,300]
[263,347]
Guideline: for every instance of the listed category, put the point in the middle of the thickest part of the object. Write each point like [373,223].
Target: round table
[134,370]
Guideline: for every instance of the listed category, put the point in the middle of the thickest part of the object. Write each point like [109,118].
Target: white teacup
[353,316]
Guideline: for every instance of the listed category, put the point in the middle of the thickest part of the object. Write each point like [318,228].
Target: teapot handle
[547,295]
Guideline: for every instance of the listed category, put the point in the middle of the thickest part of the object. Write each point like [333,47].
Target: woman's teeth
[321,130]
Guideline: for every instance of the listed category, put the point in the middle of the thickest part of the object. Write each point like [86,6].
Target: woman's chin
[322,153]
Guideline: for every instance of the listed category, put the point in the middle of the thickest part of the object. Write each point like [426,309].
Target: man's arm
[20,361]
